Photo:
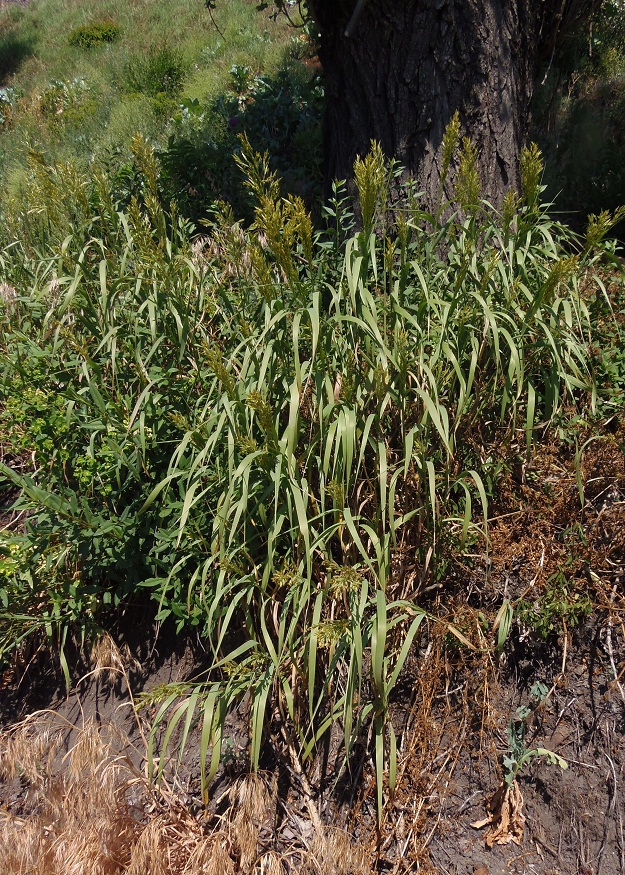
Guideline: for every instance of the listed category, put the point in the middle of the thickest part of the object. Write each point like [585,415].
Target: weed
[562,602]
[240,78]
[161,71]
[505,818]
[58,97]
[250,429]
[518,754]
[86,36]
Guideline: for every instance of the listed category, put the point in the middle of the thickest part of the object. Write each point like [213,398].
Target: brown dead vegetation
[89,811]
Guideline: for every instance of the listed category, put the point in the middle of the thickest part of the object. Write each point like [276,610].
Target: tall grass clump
[274,433]
[160,71]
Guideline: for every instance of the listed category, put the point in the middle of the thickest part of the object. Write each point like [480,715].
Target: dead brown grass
[89,811]
[77,815]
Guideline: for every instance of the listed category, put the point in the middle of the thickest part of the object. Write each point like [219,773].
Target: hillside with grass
[312,543]
[79,80]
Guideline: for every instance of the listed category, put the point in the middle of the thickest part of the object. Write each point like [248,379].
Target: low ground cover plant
[274,433]
[85,36]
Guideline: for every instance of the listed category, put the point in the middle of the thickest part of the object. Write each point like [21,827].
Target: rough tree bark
[397,70]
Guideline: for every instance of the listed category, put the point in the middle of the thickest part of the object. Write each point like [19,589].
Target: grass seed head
[335,853]
[107,659]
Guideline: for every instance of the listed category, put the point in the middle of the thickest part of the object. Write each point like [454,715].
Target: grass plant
[86,36]
[270,431]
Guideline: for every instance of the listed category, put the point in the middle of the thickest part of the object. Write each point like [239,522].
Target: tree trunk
[397,70]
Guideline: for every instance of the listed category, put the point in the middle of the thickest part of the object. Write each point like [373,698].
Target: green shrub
[96,32]
[161,71]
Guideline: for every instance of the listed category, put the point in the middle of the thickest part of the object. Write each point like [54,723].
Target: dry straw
[91,812]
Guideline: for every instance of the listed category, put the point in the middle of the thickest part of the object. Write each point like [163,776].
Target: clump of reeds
[280,435]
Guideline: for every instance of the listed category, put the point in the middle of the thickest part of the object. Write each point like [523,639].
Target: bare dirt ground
[559,564]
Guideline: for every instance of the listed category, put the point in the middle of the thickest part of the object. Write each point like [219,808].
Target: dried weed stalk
[505,817]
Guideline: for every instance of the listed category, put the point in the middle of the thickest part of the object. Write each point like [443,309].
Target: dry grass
[80,814]
[89,811]
[334,853]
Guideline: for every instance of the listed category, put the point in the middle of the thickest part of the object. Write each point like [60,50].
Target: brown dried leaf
[506,817]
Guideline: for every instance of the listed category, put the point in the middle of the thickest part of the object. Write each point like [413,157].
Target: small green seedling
[518,754]
[503,624]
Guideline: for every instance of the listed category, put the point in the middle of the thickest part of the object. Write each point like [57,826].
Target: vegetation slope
[309,444]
